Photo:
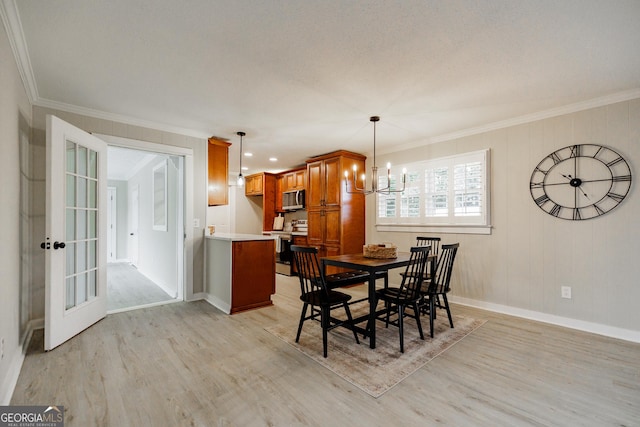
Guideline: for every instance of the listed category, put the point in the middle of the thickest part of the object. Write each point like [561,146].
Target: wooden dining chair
[397,299]
[316,295]
[440,285]
[434,242]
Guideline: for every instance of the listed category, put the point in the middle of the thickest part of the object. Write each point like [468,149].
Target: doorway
[148,265]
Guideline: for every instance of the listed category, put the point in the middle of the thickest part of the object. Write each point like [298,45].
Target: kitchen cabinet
[335,217]
[218,171]
[291,180]
[240,271]
[299,241]
[263,184]
[254,185]
[294,180]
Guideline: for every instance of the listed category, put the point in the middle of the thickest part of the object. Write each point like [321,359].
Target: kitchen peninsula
[240,271]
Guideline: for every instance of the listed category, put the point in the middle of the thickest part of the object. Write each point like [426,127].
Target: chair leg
[401,326]
[387,307]
[432,309]
[346,309]
[417,313]
[304,313]
[446,305]
[324,321]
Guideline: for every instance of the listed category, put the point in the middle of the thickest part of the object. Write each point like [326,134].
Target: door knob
[57,245]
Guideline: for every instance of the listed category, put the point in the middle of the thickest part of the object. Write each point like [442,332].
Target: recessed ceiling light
[244,168]
[248,154]
[273,159]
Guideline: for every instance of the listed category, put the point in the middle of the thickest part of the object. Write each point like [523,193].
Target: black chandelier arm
[374,174]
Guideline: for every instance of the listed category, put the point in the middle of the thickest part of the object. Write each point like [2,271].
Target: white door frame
[133,213]
[187,154]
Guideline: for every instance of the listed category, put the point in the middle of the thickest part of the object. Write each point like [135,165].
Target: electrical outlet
[565,292]
[196,222]
[1,348]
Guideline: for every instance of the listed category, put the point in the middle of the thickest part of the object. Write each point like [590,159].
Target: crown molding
[545,114]
[528,118]
[13,26]
[120,118]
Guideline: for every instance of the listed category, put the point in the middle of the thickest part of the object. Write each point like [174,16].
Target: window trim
[442,225]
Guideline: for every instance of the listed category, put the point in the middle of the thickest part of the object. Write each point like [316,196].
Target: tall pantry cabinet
[335,217]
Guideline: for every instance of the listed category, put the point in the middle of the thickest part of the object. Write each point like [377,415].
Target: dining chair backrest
[309,271]
[444,268]
[414,273]
[434,242]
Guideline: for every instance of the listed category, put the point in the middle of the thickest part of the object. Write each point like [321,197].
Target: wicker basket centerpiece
[381,250]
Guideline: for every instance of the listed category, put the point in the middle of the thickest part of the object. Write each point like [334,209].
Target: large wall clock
[580,182]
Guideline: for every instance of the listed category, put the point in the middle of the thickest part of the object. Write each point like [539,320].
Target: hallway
[127,287]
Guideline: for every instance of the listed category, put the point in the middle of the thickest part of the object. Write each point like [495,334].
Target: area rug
[377,371]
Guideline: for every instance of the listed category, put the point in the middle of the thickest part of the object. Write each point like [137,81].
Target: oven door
[284,256]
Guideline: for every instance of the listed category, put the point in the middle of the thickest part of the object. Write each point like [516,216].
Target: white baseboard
[218,303]
[581,325]
[17,359]
[197,296]
[10,381]
[137,307]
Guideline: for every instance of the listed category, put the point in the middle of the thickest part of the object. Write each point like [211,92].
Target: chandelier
[240,177]
[374,174]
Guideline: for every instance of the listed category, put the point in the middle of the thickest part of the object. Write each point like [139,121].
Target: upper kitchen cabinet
[291,180]
[263,184]
[218,177]
[335,217]
[295,179]
[259,183]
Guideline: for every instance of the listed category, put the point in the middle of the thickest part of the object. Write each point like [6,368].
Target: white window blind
[451,191]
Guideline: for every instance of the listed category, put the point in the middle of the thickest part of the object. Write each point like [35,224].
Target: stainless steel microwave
[293,200]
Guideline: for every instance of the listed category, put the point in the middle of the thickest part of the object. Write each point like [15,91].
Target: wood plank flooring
[190,364]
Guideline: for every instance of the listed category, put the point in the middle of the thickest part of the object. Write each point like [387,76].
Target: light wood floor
[189,364]
[127,287]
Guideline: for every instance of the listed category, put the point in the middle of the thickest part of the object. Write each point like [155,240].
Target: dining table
[374,266]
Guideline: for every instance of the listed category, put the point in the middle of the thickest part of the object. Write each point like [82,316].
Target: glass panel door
[81,226]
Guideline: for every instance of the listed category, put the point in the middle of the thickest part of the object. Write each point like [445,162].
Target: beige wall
[521,266]
[15,118]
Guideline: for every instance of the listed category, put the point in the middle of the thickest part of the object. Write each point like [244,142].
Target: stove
[283,251]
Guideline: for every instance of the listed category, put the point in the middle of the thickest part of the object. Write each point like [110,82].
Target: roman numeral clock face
[580,182]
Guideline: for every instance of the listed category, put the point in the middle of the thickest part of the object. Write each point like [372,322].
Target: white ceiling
[302,77]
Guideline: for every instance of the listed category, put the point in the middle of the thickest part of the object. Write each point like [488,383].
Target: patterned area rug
[377,371]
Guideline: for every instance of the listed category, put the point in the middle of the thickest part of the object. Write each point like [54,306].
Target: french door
[76,242]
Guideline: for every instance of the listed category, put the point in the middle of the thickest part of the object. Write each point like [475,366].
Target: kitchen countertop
[278,232]
[237,237]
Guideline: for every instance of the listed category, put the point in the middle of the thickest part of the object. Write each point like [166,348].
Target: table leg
[372,310]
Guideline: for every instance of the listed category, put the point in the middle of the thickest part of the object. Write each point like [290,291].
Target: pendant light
[374,174]
[240,177]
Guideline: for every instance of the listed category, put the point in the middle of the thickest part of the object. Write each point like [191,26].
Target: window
[160,197]
[450,192]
